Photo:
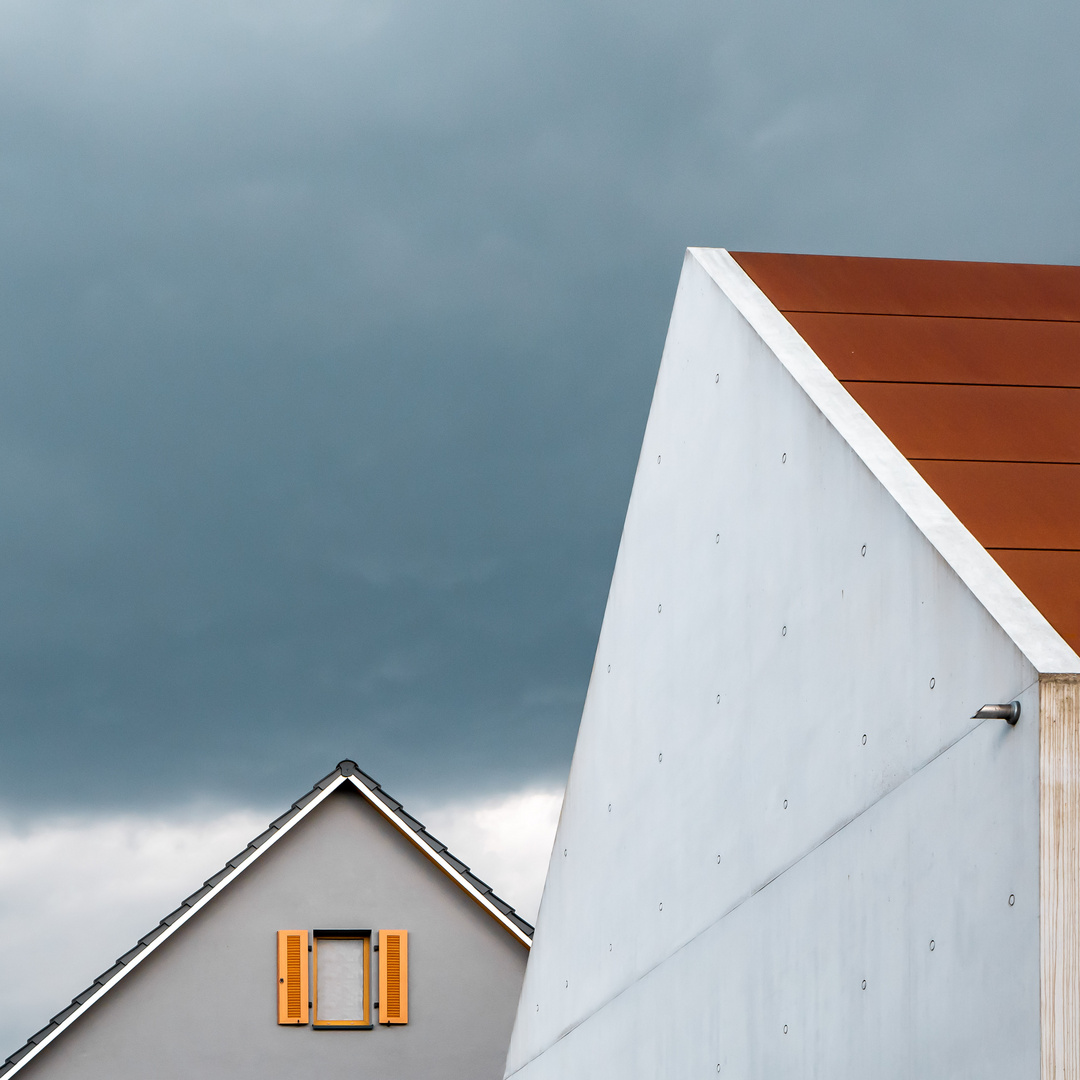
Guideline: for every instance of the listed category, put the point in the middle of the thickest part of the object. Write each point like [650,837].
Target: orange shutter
[393,976]
[292,970]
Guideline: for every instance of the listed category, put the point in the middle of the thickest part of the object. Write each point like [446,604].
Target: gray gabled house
[343,941]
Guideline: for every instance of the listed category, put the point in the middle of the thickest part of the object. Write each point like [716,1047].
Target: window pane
[341,979]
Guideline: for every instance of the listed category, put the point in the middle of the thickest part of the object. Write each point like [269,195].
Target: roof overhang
[1026,626]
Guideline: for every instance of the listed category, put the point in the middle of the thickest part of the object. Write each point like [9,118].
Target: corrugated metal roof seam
[345,768]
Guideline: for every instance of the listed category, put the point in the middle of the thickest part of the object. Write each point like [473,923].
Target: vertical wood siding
[1059,923]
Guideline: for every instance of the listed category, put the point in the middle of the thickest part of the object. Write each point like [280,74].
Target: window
[341,978]
[342,975]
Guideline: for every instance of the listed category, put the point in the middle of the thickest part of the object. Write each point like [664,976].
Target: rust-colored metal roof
[973,371]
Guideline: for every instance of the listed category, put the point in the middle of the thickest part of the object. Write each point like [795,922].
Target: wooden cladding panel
[937,349]
[1011,504]
[1059,874]
[975,423]
[972,370]
[1051,580]
[393,976]
[846,283]
[292,969]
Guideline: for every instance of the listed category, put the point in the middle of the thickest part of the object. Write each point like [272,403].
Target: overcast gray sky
[328,332]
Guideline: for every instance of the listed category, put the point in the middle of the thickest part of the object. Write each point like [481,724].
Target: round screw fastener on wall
[783,459]
[931,944]
[660,757]
[783,631]
[785,1029]
[785,804]
[1012,899]
[933,683]
[1010,713]
[864,984]
[864,550]
[659,608]
[864,740]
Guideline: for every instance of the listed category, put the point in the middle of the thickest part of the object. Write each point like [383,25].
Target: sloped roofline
[1044,647]
[347,772]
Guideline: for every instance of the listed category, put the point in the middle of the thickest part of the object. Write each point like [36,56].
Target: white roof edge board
[1044,647]
[443,865]
[383,809]
[165,935]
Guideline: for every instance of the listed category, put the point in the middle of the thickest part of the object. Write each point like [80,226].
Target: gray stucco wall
[205,1004]
[778,797]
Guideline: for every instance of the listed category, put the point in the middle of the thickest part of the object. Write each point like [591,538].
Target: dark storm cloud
[327,335]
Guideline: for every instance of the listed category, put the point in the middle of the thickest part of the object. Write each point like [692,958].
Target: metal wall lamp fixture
[1009,713]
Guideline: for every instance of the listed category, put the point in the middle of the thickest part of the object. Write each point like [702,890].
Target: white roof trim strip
[440,862]
[164,936]
[1028,628]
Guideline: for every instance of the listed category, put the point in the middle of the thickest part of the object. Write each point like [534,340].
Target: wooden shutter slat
[292,970]
[393,976]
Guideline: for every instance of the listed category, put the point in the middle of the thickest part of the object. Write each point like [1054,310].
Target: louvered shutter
[292,969]
[393,976]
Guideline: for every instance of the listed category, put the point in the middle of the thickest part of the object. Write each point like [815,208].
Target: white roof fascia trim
[439,861]
[1028,628]
[197,906]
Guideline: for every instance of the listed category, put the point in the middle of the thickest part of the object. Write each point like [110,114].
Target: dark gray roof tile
[196,896]
[279,821]
[220,876]
[174,915]
[63,1014]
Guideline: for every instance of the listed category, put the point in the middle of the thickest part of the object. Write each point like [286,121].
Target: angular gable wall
[204,1004]
[733,860]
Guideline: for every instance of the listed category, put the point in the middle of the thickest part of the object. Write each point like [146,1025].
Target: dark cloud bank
[328,331]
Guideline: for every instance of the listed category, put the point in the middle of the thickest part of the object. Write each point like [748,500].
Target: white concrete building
[788,846]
